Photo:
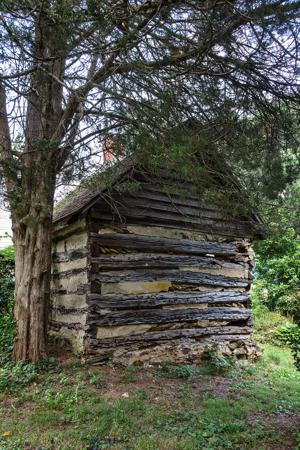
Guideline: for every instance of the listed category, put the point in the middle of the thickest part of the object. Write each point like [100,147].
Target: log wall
[70,284]
[156,296]
[149,276]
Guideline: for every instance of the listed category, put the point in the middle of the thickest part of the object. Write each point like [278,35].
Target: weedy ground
[68,405]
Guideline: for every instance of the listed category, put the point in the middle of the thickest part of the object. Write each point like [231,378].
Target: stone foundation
[186,351]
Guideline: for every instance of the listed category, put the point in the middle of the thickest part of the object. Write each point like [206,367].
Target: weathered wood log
[70,256]
[165,245]
[177,276]
[78,289]
[65,311]
[71,243]
[96,225]
[61,316]
[168,335]
[159,195]
[159,261]
[63,230]
[146,201]
[143,301]
[169,316]
[135,214]
[56,326]
[168,191]
[68,273]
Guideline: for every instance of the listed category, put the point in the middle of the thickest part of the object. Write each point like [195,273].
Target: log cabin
[151,273]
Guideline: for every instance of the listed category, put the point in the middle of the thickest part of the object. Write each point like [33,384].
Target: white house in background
[5,227]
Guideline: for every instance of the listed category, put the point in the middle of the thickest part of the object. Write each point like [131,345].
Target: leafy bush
[278,273]
[278,284]
[290,335]
[16,376]
[6,303]
[285,334]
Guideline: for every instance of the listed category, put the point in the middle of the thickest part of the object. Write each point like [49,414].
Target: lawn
[73,406]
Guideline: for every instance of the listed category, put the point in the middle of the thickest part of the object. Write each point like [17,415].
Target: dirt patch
[62,353]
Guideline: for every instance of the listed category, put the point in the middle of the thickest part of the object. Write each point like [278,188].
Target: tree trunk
[32,239]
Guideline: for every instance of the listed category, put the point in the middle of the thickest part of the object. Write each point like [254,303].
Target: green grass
[173,407]
[218,405]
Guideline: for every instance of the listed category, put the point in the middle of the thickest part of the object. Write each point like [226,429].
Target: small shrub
[15,376]
[278,273]
[290,335]
[217,363]
[168,369]
[184,371]
[283,334]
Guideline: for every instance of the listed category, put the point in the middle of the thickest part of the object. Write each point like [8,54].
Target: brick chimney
[112,149]
[108,150]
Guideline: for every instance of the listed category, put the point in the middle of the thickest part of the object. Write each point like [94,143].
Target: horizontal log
[161,217]
[62,316]
[73,242]
[169,191]
[143,301]
[79,290]
[63,230]
[162,316]
[160,261]
[161,337]
[57,326]
[164,245]
[69,256]
[74,280]
[168,230]
[67,310]
[163,197]
[69,273]
[143,201]
[76,266]
[70,285]
[176,276]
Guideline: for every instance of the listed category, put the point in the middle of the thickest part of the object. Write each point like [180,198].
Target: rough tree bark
[32,200]
[32,289]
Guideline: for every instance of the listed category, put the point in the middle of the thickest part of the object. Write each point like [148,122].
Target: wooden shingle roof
[86,196]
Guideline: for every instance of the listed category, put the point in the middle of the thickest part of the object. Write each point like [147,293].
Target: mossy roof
[87,192]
